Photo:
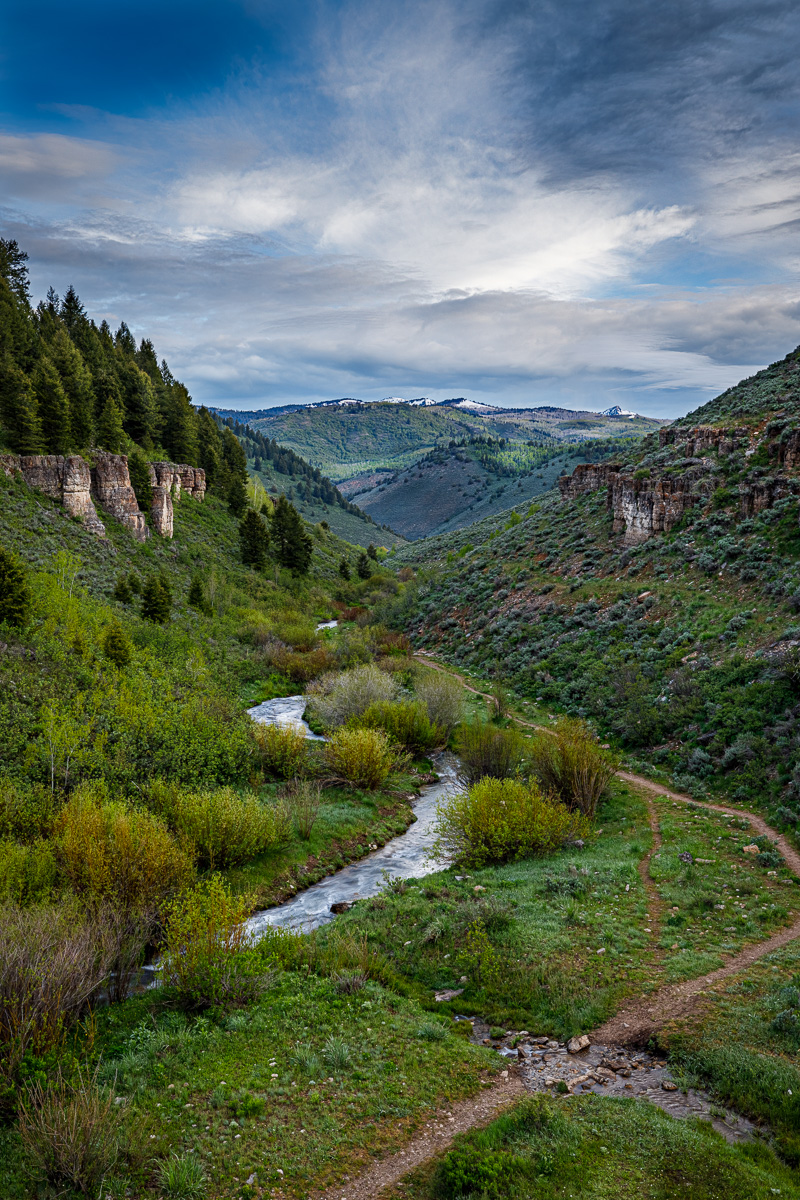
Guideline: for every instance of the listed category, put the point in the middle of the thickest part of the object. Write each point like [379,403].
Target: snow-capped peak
[616,411]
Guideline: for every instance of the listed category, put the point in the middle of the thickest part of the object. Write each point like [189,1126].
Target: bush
[501,819]
[363,757]
[116,646]
[70,1130]
[303,800]
[208,959]
[301,666]
[222,828]
[26,811]
[404,722]
[108,851]
[283,750]
[54,959]
[15,597]
[339,698]
[443,697]
[570,763]
[27,873]
[486,750]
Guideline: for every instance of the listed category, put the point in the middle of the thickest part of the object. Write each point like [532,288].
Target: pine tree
[254,540]
[372,552]
[196,597]
[363,567]
[156,600]
[76,380]
[293,546]
[116,646]
[179,421]
[19,410]
[122,590]
[53,406]
[139,472]
[110,433]
[15,597]
[237,496]
[344,569]
[141,413]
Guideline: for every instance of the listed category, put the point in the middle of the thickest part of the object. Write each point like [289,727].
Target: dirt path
[435,1137]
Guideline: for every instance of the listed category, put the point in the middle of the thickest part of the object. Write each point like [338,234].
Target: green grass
[598,1148]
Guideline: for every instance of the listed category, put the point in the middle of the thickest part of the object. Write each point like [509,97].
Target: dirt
[435,1137]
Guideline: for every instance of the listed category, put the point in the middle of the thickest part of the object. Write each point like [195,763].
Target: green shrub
[116,646]
[182,1177]
[27,811]
[283,750]
[405,722]
[222,828]
[339,698]
[301,666]
[208,959]
[27,873]
[501,819]
[486,750]
[571,764]
[108,851]
[363,757]
[470,1170]
[443,697]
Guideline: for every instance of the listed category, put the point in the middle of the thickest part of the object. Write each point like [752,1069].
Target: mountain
[655,595]
[350,439]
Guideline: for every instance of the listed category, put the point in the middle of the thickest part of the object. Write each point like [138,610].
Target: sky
[573,202]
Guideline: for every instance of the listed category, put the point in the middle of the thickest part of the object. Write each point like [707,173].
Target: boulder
[576,1044]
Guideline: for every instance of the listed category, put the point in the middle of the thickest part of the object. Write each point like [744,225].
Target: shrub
[208,959]
[182,1177]
[26,811]
[297,632]
[501,819]
[363,757]
[570,763]
[156,600]
[54,960]
[404,722]
[70,1129]
[222,828]
[116,646]
[27,873]
[108,851]
[443,697]
[283,750]
[338,698]
[486,750]
[301,666]
[303,800]
[15,597]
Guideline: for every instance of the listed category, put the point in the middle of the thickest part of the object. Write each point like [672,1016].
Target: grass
[303,1087]
[597,1148]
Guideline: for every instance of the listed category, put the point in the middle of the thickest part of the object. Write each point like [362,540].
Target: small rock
[751,849]
[479,888]
[685,857]
[251,1179]
[448,994]
[341,906]
[576,1044]
[668,1086]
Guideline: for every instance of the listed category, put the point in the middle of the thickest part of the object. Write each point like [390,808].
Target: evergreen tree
[179,422]
[139,472]
[237,496]
[254,540]
[116,646]
[210,447]
[73,313]
[124,341]
[53,406]
[110,433]
[363,567]
[15,597]
[14,269]
[372,552]
[196,597]
[122,590]
[156,600]
[293,546]
[344,569]
[76,380]
[139,402]
[19,410]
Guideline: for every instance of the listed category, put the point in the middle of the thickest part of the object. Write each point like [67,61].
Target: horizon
[579,206]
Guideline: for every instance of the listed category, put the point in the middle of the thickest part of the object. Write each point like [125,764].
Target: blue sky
[526,203]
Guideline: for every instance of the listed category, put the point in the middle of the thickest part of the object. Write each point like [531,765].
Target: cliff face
[77,485]
[644,503]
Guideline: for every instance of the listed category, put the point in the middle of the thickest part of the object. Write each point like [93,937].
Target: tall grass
[303,799]
[570,763]
[486,750]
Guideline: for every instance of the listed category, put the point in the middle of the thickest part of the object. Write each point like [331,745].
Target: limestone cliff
[78,485]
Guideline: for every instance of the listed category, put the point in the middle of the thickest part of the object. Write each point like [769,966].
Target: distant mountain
[351,439]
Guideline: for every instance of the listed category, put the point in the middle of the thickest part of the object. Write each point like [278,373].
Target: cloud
[38,166]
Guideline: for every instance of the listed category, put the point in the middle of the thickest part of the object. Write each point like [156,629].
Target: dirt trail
[436,1136]
[638,1020]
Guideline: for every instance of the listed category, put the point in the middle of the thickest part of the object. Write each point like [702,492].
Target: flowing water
[284,710]
[408,856]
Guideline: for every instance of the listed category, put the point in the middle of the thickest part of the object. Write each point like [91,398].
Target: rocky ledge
[79,484]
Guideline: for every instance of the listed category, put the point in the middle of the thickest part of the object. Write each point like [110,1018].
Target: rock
[341,906]
[449,994]
[251,1179]
[479,888]
[685,857]
[67,479]
[576,1044]
[751,849]
[111,487]
[668,1086]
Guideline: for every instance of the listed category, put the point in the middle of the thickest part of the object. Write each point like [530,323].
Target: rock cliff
[78,485]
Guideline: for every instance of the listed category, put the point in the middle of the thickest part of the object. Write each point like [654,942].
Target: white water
[284,710]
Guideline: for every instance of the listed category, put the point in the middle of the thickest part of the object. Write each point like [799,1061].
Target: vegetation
[570,764]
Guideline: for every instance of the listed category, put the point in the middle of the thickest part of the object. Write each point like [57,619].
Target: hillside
[656,596]
[351,439]
[458,484]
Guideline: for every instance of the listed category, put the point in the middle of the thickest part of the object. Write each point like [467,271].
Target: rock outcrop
[77,484]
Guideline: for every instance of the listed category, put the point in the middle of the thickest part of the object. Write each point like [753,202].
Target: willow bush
[570,763]
[497,820]
[486,750]
[283,750]
[404,722]
[221,828]
[363,757]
